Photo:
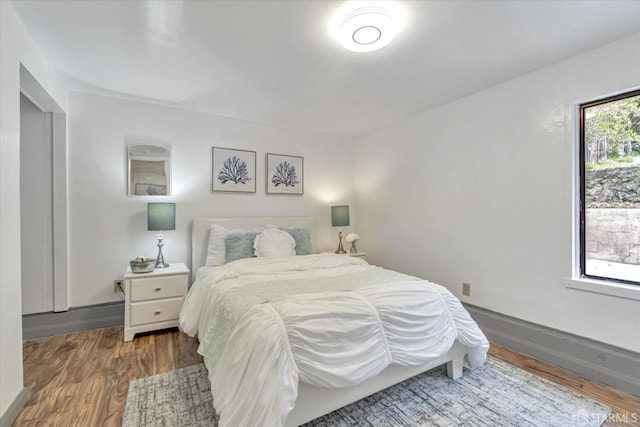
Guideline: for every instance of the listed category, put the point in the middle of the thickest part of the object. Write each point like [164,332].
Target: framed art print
[285,174]
[233,170]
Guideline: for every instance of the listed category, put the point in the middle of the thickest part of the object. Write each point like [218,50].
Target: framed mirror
[149,170]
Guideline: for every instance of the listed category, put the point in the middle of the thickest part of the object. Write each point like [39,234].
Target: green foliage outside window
[612,132]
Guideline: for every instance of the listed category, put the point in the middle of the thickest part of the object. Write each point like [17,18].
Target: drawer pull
[155,313]
[158,289]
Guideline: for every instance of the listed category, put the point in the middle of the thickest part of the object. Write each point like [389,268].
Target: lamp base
[160,258]
[161,265]
[340,249]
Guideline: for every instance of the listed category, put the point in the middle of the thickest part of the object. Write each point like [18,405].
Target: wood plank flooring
[626,408]
[82,379]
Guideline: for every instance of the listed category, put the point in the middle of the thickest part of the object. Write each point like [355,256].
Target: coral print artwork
[285,174]
[233,170]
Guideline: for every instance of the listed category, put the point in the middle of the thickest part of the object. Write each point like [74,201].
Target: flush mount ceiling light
[365,26]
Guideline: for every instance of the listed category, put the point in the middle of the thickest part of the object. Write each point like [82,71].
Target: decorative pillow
[217,249]
[240,244]
[302,236]
[274,243]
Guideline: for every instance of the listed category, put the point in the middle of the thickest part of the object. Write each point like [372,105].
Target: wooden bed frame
[313,402]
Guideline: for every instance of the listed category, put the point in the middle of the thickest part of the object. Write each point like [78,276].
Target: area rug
[496,394]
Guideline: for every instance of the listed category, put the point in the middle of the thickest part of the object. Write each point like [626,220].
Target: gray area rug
[496,394]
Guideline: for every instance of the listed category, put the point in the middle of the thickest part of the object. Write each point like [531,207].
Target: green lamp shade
[161,216]
[339,216]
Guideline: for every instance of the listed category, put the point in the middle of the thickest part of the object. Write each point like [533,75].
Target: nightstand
[153,300]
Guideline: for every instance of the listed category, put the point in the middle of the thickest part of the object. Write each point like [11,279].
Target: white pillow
[274,243]
[217,249]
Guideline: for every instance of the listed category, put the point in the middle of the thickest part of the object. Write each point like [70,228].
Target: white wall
[15,47]
[480,190]
[108,228]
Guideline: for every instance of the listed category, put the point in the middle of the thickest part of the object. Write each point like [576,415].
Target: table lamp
[161,217]
[340,218]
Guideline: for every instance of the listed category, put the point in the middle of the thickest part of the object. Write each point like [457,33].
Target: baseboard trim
[12,412]
[594,360]
[74,320]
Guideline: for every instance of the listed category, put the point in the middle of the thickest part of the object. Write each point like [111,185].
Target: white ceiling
[275,62]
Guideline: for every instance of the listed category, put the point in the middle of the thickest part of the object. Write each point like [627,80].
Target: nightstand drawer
[155,311]
[158,287]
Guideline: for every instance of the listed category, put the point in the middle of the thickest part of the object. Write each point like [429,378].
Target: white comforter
[326,320]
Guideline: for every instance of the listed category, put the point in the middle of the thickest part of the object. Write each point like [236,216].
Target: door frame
[31,89]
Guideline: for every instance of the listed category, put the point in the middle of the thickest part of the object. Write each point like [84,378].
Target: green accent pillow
[302,236]
[240,244]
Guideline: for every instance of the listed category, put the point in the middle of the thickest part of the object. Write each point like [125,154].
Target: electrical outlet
[466,289]
[117,286]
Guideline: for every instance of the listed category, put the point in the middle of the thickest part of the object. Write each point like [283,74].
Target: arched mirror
[149,170]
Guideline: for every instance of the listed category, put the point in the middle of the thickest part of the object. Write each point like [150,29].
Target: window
[610,188]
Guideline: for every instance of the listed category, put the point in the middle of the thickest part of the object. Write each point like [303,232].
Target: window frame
[582,176]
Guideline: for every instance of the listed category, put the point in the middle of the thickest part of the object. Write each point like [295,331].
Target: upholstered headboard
[201,226]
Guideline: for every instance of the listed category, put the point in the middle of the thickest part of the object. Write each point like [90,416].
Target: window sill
[619,290]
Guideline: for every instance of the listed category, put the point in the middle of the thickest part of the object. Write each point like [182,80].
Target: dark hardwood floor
[82,379]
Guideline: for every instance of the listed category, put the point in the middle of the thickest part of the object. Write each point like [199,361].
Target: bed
[269,344]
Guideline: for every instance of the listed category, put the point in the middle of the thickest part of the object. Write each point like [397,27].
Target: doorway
[43,199]
[36,208]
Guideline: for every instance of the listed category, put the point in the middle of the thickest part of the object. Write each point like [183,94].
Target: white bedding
[265,324]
